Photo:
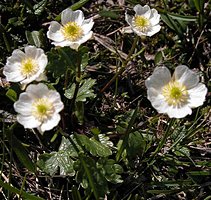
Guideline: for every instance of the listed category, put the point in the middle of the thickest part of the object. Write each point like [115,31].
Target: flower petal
[23,105]
[127,29]
[42,62]
[128,19]
[197,95]
[64,43]
[72,16]
[12,73]
[37,91]
[178,112]
[155,17]
[28,121]
[56,100]
[157,100]
[41,77]
[153,30]
[186,76]
[33,52]
[17,57]
[160,77]
[39,55]
[75,45]
[87,25]
[141,10]
[85,38]
[54,32]
[50,123]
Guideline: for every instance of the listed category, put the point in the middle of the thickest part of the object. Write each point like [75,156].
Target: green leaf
[12,95]
[163,191]
[56,160]
[91,178]
[33,38]
[62,160]
[110,170]
[70,57]
[126,133]
[19,150]
[186,18]
[94,146]
[108,13]
[56,63]
[39,7]
[75,193]
[158,57]
[62,59]
[103,138]
[172,24]
[199,4]
[78,4]
[84,91]
[79,111]
[136,145]
[84,61]
[181,151]
[199,173]
[23,194]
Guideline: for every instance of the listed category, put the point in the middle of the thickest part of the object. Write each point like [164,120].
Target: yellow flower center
[72,31]
[29,67]
[175,93]
[42,109]
[141,23]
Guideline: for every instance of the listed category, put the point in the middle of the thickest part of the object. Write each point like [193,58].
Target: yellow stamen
[42,109]
[72,31]
[141,22]
[29,67]
[175,93]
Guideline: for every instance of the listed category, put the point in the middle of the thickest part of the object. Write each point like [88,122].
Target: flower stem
[162,142]
[124,65]
[78,79]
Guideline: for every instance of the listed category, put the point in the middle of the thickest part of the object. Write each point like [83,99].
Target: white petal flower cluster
[25,67]
[73,30]
[175,95]
[38,107]
[145,22]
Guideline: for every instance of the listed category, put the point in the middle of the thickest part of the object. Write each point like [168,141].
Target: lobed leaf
[94,146]
[110,170]
[63,160]
[84,91]
[90,177]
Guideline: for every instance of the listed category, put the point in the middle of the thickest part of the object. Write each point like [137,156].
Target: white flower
[175,95]
[25,67]
[145,22]
[39,107]
[74,30]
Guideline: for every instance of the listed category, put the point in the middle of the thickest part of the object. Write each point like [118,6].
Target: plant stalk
[124,65]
